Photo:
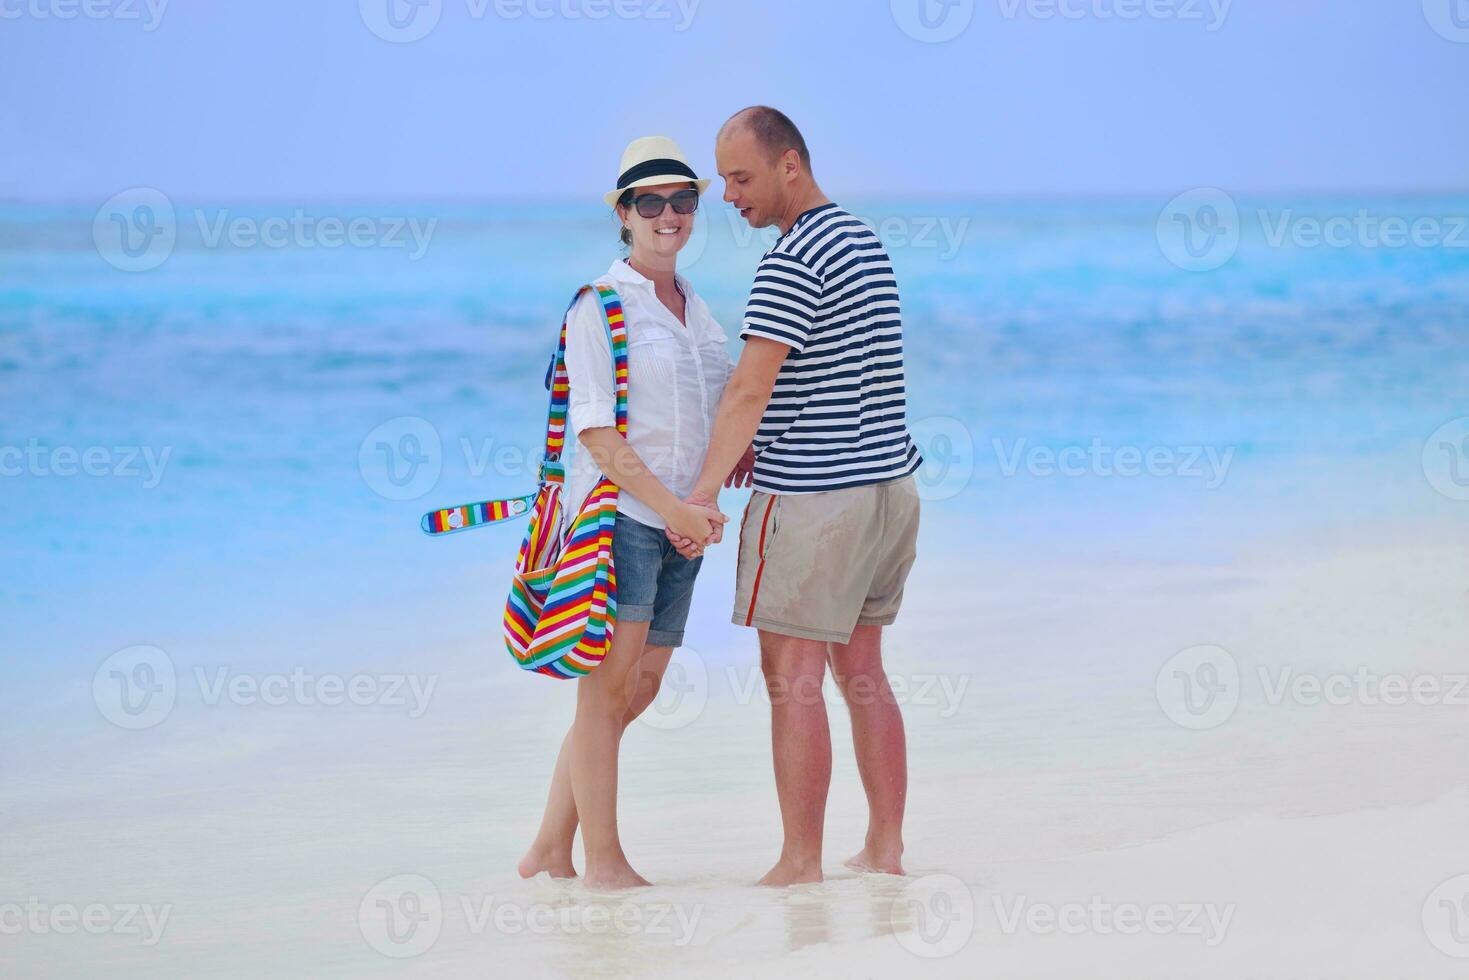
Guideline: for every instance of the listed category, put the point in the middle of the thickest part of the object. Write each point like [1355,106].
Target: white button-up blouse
[675,377]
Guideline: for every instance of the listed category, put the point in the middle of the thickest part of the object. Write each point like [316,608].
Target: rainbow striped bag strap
[556,377]
[451,520]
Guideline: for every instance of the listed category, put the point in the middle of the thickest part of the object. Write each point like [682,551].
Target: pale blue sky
[296,100]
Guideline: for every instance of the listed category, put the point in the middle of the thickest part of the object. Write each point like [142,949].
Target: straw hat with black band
[651,160]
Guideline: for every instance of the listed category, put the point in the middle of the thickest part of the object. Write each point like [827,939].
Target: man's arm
[740,409]
[779,318]
[624,467]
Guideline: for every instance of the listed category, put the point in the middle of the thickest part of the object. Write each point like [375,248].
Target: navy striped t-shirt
[837,416]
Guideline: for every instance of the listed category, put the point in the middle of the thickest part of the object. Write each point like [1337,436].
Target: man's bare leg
[881,745]
[551,850]
[801,746]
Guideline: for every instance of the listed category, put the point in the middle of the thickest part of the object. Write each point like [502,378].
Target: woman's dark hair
[625,201]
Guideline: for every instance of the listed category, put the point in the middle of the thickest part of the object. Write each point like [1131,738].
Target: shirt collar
[804,217]
[622,272]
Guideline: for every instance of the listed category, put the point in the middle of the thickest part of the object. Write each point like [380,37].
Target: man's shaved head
[766,168]
[772,129]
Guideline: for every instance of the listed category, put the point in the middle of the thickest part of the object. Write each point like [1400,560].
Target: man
[829,535]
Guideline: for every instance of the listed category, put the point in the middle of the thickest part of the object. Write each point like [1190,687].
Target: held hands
[684,539]
[696,524]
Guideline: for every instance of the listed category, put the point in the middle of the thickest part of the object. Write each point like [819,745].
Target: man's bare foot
[791,873]
[873,861]
[557,865]
[620,876]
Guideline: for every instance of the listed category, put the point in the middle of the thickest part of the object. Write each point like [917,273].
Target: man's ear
[790,164]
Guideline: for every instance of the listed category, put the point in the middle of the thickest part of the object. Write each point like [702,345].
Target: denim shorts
[655,584]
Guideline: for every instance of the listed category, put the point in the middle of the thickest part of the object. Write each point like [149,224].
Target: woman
[677,370]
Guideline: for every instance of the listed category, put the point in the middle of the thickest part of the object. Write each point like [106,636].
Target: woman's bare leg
[551,850]
[604,698]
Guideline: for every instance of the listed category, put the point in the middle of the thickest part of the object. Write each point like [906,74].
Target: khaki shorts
[817,565]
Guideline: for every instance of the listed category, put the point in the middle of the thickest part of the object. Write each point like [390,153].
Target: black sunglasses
[652,205]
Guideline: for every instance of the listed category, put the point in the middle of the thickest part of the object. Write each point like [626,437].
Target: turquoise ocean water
[290,397]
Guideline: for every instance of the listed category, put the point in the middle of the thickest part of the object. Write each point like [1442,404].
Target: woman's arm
[592,411]
[621,464]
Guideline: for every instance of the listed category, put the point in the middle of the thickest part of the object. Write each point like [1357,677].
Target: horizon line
[956,198]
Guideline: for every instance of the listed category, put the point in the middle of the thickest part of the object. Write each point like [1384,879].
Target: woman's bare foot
[791,873]
[616,876]
[874,861]
[556,864]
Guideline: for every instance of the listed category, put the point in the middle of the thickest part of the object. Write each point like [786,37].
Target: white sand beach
[1061,823]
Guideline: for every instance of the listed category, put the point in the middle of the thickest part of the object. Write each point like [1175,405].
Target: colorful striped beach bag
[562,608]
